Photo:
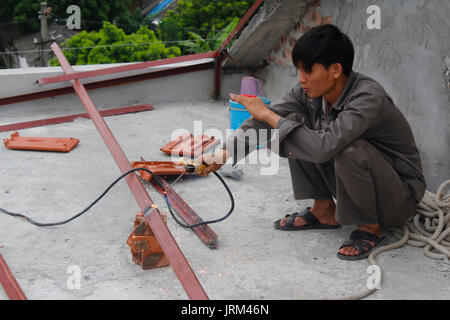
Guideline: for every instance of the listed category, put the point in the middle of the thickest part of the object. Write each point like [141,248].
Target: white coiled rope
[428,228]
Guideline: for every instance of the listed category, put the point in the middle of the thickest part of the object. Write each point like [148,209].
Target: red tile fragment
[186,145]
[40,144]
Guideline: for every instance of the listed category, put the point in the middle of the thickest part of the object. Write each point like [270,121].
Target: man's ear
[337,70]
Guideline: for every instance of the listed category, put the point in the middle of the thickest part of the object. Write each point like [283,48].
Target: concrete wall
[267,26]
[193,86]
[409,56]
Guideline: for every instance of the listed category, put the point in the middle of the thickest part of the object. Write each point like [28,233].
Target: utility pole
[43,15]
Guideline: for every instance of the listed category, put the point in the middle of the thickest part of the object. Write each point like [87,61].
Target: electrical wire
[146,210]
[102,46]
[203,222]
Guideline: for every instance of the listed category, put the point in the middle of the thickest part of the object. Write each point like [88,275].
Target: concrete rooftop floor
[252,261]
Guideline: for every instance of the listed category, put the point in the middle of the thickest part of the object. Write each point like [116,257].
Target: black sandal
[361,240]
[313,222]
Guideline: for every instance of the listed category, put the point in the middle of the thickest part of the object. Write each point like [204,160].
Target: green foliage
[200,17]
[93,12]
[131,21]
[7,11]
[127,47]
[213,40]
[26,11]
[207,23]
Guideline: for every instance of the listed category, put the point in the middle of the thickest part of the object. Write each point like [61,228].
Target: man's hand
[257,109]
[214,161]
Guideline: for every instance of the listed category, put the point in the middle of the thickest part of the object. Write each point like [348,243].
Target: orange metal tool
[40,144]
[168,168]
[161,168]
[186,145]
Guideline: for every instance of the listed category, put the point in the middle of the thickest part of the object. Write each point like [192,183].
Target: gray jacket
[363,111]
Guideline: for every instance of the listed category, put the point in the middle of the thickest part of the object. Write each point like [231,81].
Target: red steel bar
[135,66]
[9,283]
[50,121]
[204,232]
[176,258]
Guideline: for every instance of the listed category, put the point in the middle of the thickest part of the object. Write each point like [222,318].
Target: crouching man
[345,139]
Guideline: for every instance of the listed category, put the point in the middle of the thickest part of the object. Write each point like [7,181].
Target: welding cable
[203,222]
[39,224]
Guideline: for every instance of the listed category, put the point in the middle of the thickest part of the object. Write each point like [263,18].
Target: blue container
[238,113]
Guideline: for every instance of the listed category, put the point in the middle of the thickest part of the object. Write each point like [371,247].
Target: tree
[200,16]
[112,45]
[213,40]
[26,11]
[7,11]
[93,12]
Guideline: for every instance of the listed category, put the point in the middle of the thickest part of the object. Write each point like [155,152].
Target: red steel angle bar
[130,67]
[9,283]
[56,120]
[180,265]
[204,232]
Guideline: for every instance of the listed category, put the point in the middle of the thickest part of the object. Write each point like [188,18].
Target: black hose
[39,224]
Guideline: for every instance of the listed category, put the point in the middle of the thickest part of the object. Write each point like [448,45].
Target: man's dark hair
[326,45]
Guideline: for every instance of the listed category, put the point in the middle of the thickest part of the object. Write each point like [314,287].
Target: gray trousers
[366,187]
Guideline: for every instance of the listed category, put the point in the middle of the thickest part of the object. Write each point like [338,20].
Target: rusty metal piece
[40,144]
[164,168]
[177,260]
[186,145]
[144,246]
[204,232]
[9,283]
[49,121]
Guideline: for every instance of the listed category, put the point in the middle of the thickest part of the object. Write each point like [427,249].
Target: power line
[57,19]
[12,23]
[103,46]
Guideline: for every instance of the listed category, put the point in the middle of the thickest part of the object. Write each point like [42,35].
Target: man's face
[319,81]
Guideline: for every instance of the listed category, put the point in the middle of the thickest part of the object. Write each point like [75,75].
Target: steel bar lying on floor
[205,233]
[128,67]
[56,120]
[9,283]
[167,242]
